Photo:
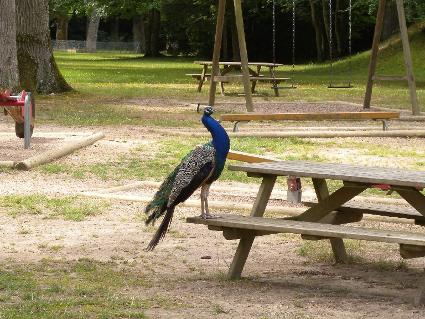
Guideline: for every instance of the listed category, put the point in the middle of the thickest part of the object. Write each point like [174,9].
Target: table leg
[419,299]
[202,79]
[245,242]
[275,84]
[253,73]
[413,197]
[337,244]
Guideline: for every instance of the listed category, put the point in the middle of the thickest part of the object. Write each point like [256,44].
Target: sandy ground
[190,264]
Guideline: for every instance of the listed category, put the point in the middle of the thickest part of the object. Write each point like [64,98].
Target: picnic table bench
[330,116]
[325,218]
[227,74]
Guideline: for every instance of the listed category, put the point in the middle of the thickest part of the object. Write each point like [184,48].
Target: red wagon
[22,109]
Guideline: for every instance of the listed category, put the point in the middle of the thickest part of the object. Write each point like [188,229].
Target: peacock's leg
[202,202]
[207,212]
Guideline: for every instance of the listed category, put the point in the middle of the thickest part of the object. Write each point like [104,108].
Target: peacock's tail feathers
[157,206]
[162,229]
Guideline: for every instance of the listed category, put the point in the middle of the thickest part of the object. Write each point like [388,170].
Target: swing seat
[331,86]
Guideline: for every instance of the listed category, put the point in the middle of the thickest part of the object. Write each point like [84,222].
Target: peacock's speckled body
[201,167]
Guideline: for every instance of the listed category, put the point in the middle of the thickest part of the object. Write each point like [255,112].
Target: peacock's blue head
[208,110]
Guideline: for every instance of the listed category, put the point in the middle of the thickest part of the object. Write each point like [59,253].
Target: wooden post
[406,54]
[215,69]
[244,55]
[245,243]
[407,57]
[374,53]
[338,247]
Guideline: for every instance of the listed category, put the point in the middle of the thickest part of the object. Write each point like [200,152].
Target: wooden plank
[309,116]
[314,229]
[244,55]
[236,63]
[344,172]
[374,53]
[407,57]
[217,48]
[380,210]
[240,78]
[245,243]
[248,158]
[389,78]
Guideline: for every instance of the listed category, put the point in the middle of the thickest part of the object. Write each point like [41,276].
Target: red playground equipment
[22,109]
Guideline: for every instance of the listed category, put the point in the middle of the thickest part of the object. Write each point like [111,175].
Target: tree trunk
[325,13]
[115,30]
[337,20]
[139,35]
[224,46]
[9,76]
[153,43]
[317,30]
[62,27]
[391,21]
[37,67]
[92,30]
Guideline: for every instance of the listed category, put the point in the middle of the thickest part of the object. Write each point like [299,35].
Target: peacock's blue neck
[220,139]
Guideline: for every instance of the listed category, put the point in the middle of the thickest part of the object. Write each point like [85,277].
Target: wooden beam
[248,158]
[275,225]
[310,116]
[407,57]
[374,53]
[245,243]
[330,203]
[244,55]
[217,49]
[338,248]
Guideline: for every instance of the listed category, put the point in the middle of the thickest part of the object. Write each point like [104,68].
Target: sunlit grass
[68,208]
[113,75]
[77,289]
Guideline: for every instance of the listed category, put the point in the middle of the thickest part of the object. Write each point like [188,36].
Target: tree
[91,38]
[37,67]
[9,76]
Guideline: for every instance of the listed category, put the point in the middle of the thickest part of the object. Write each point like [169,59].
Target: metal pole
[27,121]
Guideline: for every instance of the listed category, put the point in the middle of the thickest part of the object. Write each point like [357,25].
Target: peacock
[200,168]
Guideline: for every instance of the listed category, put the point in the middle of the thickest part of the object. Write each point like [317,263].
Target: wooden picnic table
[324,218]
[228,70]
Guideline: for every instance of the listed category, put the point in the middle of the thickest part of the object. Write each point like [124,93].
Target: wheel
[19,127]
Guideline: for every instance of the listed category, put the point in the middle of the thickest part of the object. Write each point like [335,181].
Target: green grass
[80,289]
[69,208]
[114,76]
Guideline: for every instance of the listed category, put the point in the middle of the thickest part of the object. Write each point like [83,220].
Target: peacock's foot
[209,216]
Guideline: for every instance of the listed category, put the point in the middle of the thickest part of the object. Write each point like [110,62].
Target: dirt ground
[190,264]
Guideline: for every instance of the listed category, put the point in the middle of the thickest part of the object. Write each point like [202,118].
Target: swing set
[372,78]
[332,84]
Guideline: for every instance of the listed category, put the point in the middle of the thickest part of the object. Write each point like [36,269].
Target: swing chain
[274,29]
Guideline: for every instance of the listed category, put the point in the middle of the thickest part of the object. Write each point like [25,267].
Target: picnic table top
[268,64]
[344,172]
